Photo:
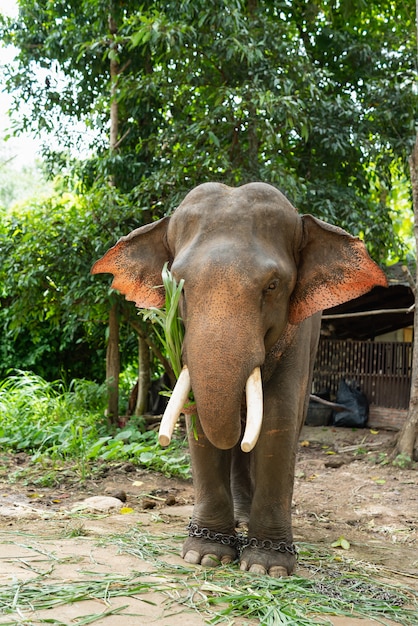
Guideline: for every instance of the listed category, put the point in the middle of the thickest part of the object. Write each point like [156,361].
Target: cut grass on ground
[224,595]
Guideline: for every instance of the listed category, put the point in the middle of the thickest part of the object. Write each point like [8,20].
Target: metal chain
[240,541]
[268,544]
[204,533]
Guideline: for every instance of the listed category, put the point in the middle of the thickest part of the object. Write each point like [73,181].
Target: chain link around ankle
[204,533]
[240,541]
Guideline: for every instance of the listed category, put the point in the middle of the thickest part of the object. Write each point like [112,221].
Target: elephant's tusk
[254,394]
[174,407]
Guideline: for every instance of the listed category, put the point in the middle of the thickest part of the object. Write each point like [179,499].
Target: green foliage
[42,417]
[50,419]
[143,448]
[44,260]
[402,460]
[52,311]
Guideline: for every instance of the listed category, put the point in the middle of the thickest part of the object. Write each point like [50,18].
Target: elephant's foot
[208,553]
[275,563]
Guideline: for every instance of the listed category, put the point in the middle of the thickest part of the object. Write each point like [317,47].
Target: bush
[68,422]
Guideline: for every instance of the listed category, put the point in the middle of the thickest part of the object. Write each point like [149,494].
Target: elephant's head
[251,265]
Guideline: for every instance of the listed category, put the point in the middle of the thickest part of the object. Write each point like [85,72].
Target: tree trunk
[114,108]
[144,377]
[409,432]
[113,365]
[112,353]
[164,362]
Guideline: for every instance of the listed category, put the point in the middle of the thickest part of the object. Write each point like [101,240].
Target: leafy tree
[51,310]
[47,299]
[315,97]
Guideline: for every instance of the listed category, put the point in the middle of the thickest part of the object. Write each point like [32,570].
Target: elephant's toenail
[226,560]
[192,556]
[210,560]
[258,569]
[277,571]
[243,566]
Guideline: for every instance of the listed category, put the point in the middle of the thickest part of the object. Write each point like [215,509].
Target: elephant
[257,275]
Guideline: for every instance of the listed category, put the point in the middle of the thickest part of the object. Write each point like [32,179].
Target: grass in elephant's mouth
[167,322]
[223,595]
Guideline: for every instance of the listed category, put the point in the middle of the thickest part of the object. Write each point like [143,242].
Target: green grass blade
[169,320]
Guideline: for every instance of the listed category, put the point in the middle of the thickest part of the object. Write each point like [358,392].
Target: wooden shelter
[369,341]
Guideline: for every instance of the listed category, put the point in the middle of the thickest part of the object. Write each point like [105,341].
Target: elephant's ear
[136,262]
[334,267]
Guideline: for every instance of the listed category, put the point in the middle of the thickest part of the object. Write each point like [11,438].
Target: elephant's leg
[213,508]
[270,518]
[285,402]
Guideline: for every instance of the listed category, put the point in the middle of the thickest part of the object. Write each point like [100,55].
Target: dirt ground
[341,491]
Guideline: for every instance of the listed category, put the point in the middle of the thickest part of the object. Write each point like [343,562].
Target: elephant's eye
[272,285]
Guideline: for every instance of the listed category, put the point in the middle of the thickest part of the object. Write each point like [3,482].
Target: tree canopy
[315,97]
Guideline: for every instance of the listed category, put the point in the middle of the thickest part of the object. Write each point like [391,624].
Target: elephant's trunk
[221,350]
[254,397]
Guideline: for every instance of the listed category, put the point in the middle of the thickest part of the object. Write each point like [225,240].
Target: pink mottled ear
[136,262]
[334,267]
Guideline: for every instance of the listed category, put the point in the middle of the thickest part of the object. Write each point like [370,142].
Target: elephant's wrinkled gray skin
[256,274]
